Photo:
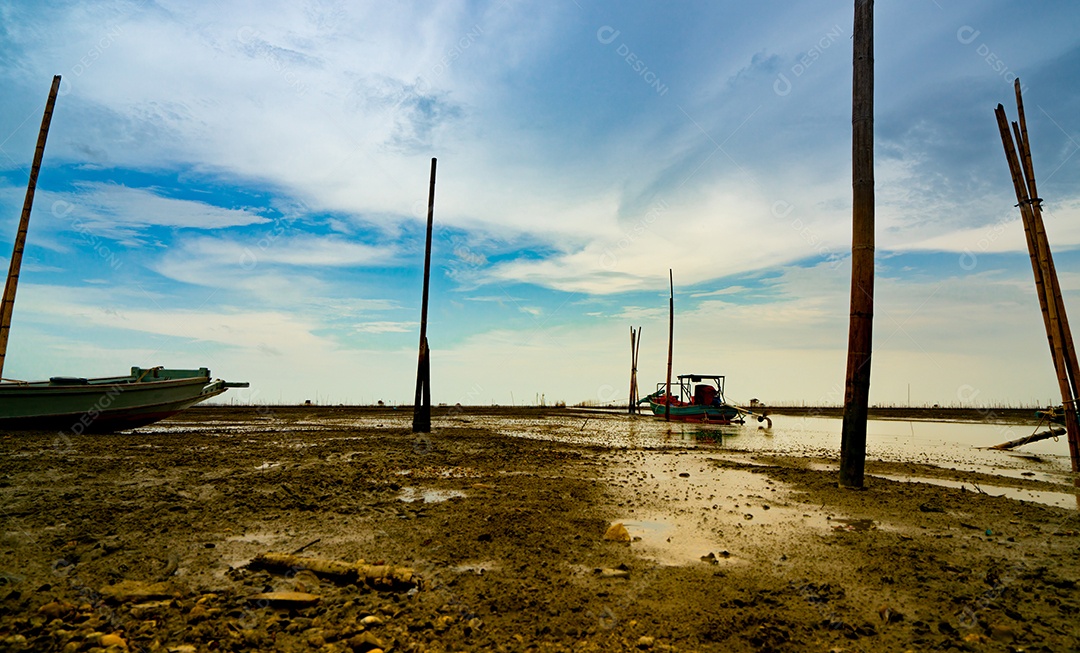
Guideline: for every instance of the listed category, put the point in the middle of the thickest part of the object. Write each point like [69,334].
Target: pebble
[617,533]
[365,642]
[112,639]
[55,609]
[371,620]
[645,642]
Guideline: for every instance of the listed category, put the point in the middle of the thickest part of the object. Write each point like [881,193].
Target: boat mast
[24,222]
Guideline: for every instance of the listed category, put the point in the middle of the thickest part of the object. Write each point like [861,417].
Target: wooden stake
[861,322]
[670,341]
[7,307]
[422,397]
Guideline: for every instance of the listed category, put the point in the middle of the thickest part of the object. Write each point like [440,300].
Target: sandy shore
[143,542]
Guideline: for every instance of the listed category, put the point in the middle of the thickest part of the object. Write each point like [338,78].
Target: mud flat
[142,541]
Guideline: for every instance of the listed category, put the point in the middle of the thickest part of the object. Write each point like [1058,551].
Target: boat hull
[105,405]
[723,414]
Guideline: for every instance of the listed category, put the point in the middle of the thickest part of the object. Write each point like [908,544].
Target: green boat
[78,405]
[700,399]
[104,405]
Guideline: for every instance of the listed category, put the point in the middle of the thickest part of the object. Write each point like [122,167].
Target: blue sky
[243,186]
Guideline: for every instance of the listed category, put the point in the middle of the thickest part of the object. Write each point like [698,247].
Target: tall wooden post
[422,397]
[670,341]
[8,305]
[861,323]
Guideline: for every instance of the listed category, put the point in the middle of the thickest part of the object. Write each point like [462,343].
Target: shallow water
[959,445]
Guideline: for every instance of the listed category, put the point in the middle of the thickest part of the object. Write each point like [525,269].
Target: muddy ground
[142,541]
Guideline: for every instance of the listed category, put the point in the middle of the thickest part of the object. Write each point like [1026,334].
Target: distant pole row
[1058,334]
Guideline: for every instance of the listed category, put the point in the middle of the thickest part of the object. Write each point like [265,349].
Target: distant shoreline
[995,415]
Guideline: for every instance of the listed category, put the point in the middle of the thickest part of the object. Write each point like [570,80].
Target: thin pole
[630,405]
[637,352]
[670,341]
[422,397]
[8,305]
[861,324]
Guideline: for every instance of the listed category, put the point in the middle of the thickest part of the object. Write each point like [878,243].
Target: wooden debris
[286,599]
[377,576]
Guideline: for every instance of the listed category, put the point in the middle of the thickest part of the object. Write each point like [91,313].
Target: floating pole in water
[422,398]
[861,321]
[8,305]
[670,340]
[1051,303]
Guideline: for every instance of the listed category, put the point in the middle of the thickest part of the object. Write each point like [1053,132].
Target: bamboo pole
[7,307]
[670,341]
[422,397]
[1071,363]
[861,321]
[1051,302]
[1029,232]
[1035,437]
[1039,252]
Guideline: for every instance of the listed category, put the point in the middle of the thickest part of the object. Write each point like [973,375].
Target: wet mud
[143,541]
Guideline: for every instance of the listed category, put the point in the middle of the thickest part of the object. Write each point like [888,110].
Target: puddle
[478,568]
[681,509]
[853,524]
[1059,499]
[427,495]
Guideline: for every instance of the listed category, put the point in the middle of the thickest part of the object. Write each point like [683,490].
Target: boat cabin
[697,389]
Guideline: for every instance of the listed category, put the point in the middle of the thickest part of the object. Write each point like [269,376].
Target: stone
[617,533]
[112,639]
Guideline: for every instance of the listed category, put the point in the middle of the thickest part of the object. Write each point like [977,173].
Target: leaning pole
[861,321]
[7,307]
[422,398]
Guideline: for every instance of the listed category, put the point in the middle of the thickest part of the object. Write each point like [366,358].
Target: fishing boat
[108,404]
[700,398]
[81,405]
